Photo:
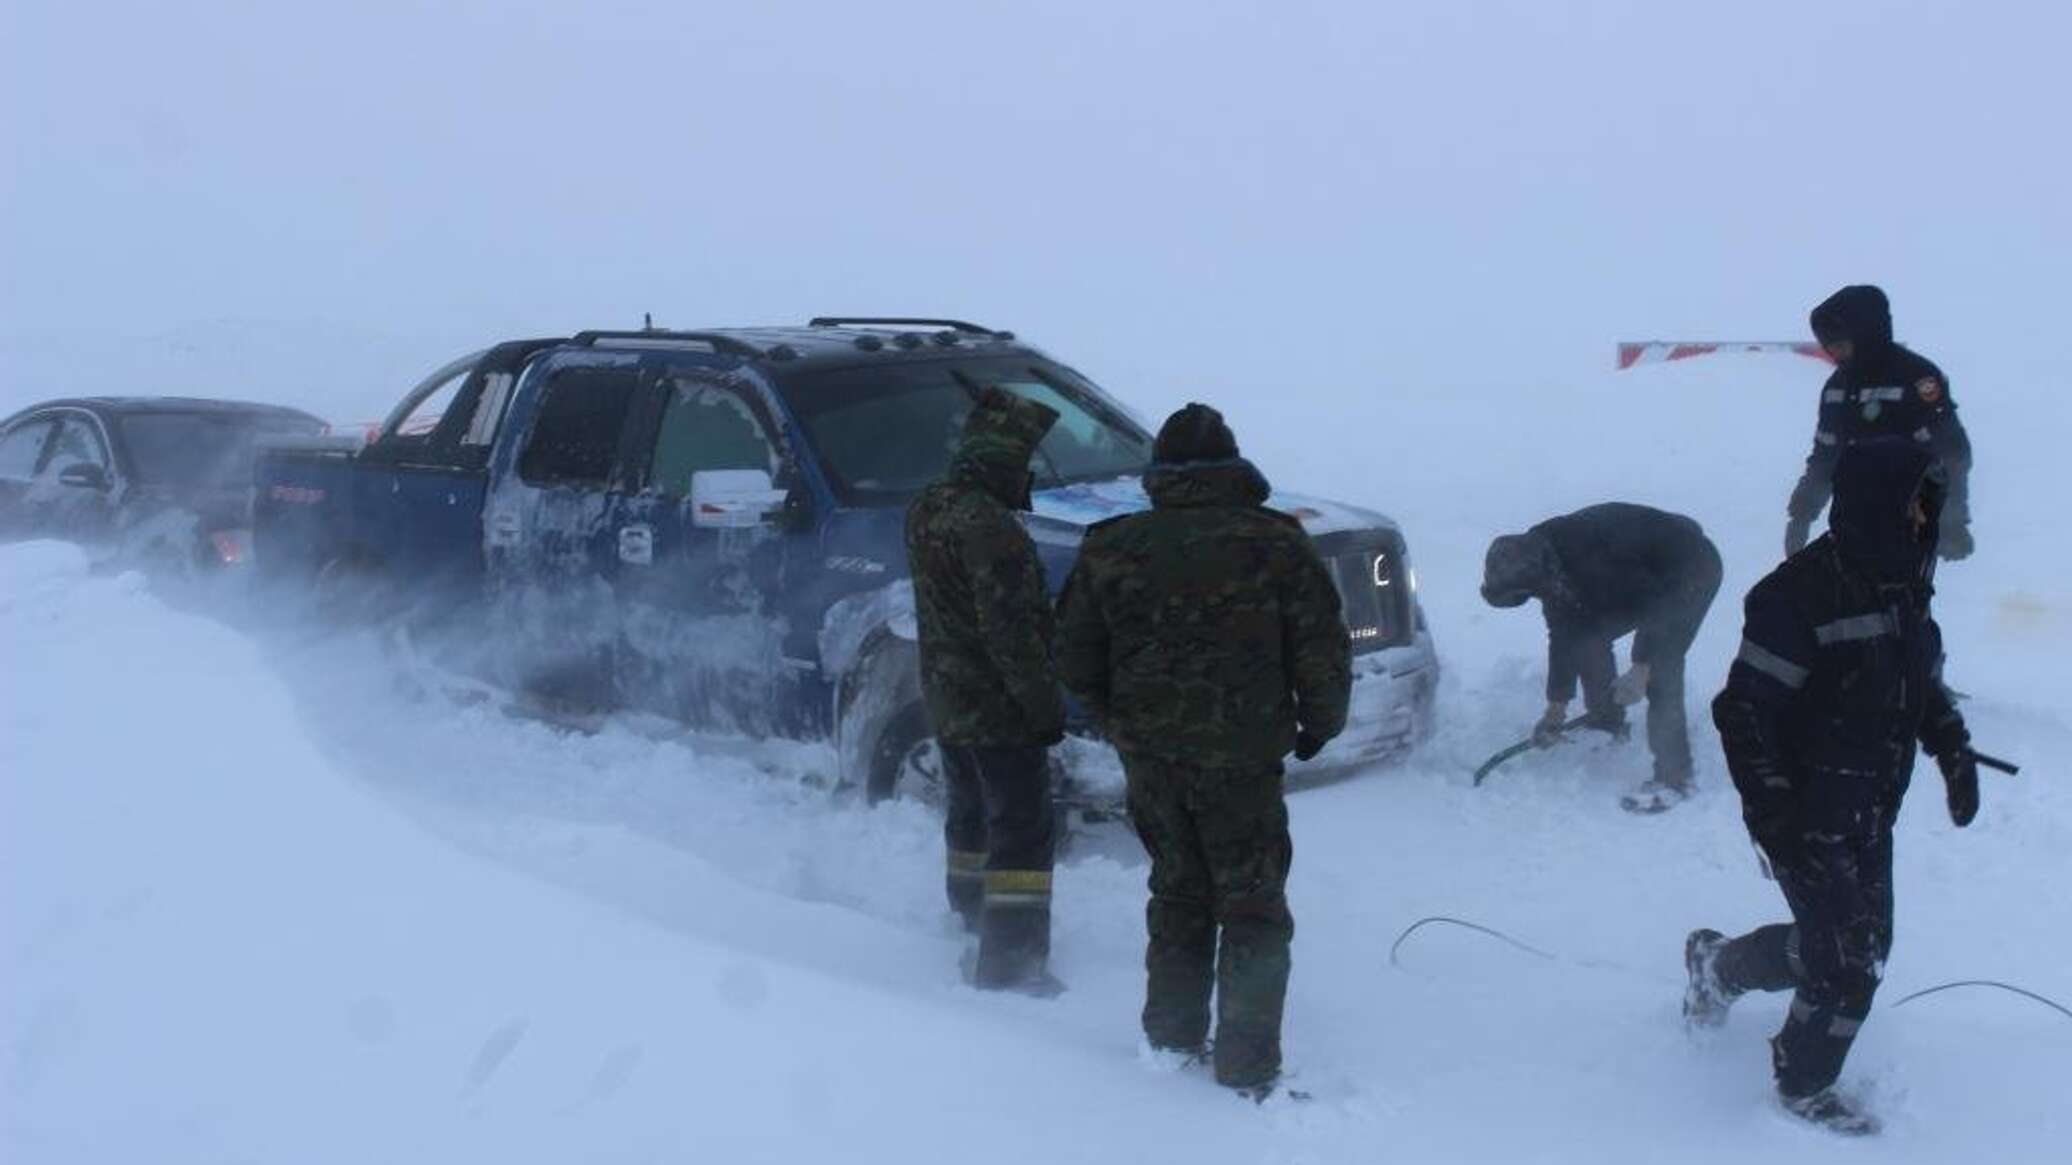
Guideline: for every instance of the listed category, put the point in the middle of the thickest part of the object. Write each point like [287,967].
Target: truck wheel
[906,762]
[347,591]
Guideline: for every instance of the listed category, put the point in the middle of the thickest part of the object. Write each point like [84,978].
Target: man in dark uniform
[1600,573]
[1838,682]
[1879,389]
[1205,637]
[985,625]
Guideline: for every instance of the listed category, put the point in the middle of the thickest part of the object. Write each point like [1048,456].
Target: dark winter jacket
[1840,670]
[1207,630]
[1602,572]
[983,611]
[1882,390]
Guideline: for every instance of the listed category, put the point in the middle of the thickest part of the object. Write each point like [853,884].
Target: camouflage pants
[1832,954]
[1000,830]
[1219,846]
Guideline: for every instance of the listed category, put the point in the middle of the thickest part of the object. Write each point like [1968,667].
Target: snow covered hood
[1082,504]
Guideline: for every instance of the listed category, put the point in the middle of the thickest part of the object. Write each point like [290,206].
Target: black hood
[1525,566]
[1516,569]
[1875,484]
[1233,483]
[1859,313]
[1194,433]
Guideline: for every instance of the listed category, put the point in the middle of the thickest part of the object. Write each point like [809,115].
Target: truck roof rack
[728,345]
[964,326]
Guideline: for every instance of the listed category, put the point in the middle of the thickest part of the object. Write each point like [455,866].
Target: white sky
[1440,194]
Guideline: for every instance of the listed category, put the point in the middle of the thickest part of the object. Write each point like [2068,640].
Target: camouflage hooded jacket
[1206,630]
[979,599]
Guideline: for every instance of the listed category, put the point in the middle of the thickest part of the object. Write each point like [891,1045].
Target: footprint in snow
[495,1050]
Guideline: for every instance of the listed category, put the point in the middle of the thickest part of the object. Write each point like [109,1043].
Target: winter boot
[1706,999]
[1014,950]
[1832,1111]
[1653,797]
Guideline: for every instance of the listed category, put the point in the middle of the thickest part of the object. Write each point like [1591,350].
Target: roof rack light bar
[965,326]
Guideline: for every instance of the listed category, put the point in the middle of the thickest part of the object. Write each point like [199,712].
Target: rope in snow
[1396,948]
[2024,992]
[1463,923]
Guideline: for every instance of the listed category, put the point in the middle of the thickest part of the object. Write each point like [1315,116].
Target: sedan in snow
[159,482]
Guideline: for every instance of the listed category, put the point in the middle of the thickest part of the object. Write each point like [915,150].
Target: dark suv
[708,525]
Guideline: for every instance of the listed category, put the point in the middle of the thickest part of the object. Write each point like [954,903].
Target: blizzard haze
[348,920]
[1245,202]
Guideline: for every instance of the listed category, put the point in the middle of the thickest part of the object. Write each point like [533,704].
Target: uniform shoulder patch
[1929,389]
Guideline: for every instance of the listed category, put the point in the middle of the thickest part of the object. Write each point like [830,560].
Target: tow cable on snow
[1396,948]
[2024,992]
[1477,927]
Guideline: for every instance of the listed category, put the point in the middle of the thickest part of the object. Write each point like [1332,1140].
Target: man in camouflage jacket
[1206,639]
[992,693]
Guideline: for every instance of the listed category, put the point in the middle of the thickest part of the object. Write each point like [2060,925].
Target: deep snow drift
[267,899]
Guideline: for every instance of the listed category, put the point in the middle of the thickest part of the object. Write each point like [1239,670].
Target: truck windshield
[200,449]
[884,432]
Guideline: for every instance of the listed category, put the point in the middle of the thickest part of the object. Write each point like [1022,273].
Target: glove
[1955,543]
[1551,722]
[1308,745]
[1796,532]
[1960,778]
[1631,688]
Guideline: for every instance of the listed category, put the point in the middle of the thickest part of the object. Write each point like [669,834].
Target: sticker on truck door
[637,545]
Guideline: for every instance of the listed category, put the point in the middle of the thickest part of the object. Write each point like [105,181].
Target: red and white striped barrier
[1664,351]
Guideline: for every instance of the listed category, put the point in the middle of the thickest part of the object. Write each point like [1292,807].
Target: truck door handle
[637,545]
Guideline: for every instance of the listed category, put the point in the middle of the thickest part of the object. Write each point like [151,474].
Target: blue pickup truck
[708,526]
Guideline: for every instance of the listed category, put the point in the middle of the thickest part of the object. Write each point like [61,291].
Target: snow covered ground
[265,899]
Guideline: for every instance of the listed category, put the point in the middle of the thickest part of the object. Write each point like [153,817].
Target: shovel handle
[1994,763]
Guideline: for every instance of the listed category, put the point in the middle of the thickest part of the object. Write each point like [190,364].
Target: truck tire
[905,761]
[349,590]
[887,748]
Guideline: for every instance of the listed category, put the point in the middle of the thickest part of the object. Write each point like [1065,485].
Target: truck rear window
[575,435]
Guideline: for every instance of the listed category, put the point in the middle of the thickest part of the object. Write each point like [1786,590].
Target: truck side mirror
[733,499]
[84,475]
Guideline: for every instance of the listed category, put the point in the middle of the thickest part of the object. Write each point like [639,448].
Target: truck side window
[575,436]
[425,417]
[707,427]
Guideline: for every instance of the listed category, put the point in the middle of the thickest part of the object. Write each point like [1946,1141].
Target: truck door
[553,550]
[424,478]
[703,548]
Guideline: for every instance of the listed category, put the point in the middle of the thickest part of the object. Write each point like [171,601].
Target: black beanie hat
[1195,433]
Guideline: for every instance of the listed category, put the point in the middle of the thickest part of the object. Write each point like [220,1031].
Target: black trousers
[1831,954]
[1669,732]
[1000,828]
